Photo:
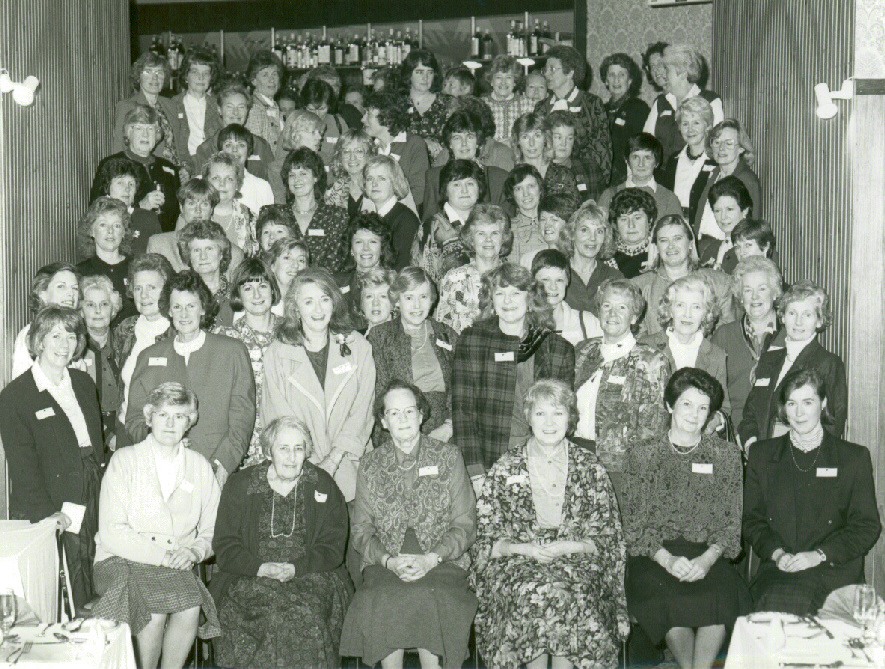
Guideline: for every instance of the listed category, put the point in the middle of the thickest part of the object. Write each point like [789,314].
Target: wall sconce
[826,108]
[22,93]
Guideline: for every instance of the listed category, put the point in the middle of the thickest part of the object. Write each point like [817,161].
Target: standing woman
[427,108]
[807,555]
[524,189]
[414,348]
[50,423]
[369,249]
[683,526]
[195,113]
[386,186]
[588,239]
[226,175]
[321,371]
[301,129]
[506,100]
[286,258]
[318,97]
[352,151]
[265,73]
[206,250]
[653,65]
[498,359]
[626,111]
[375,306]
[533,144]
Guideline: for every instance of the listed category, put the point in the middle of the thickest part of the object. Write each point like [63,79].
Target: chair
[203,653]
[29,564]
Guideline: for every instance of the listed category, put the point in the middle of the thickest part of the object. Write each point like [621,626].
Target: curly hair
[631,200]
[804,290]
[275,214]
[655,48]
[348,139]
[205,230]
[269,434]
[487,214]
[149,262]
[188,281]
[456,170]
[465,121]
[391,108]
[101,282]
[300,121]
[475,105]
[172,394]
[752,265]
[290,331]
[252,270]
[538,312]
[694,283]
[146,60]
[502,64]
[624,288]
[699,107]
[371,222]
[572,61]
[306,159]
[421,400]
[115,167]
[704,383]
[624,61]
[588,213]
[222,158]
[556,393]
[102,206]
[373,279]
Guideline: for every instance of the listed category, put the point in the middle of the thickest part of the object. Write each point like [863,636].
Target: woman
[234,217]
[673,255]
[375,306]
[619,382]
[807,555]
[524,189]
[321,371]
[302,129]
[275,221]
[99,304]
[281,589]
[588,239]
[265,73]
[626,111]
[688,314]
[354,147]
[653,65]
[120,178]
[550,268]
[318,97]
[491,153]
[50,424]
[321,225]
[684,65]
[427,108]
[553,213]
[730,147]
[682,523]
[156,519]
[549,556]
[370,249]
[533,145]
[195,113]
[254,292]
[505,77]
[414,518]
[731,203]
[385,186]
[757,286]
[286,258]
[54,284]
[417,349]
[498,359]
[147,77]
[632,212]
[487,238]
[206,250]
[804,309]
[217,368]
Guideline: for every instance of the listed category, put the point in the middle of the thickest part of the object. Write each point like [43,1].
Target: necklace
[634,249]
[304,212]
[412,337]
[676,448]
[792,448]
[273,509]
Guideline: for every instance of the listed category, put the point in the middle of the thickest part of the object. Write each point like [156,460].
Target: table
[29,564]
[118,654]
[772,640]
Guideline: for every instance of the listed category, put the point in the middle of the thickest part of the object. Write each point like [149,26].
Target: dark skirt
[132,591]
[434,613]
[802,593]
[660,601]
[80,548]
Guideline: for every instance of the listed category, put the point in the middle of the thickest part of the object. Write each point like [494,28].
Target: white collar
[452,214]
[794,347]
[266,100]
[652,184]
[184,349]
[43,382]
[571,97]
[694,91]
[385,208]
[612,352]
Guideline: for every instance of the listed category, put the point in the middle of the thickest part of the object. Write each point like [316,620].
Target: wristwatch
[823,556]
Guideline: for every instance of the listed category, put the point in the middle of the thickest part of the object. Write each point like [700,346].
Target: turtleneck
[184,349]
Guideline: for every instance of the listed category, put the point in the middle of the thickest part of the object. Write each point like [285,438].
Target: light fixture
[22,93]
[826,108]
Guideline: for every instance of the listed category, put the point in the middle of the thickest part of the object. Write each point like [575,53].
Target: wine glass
[866,607]
[7,612]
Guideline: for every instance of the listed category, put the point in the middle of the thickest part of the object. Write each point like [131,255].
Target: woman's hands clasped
[279,571]
[412,567]
[180,558]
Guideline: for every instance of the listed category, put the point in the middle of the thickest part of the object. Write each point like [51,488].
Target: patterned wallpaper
[630,26]
[869,35]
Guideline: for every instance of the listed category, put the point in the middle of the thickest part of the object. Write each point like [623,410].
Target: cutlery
[814,623]
[23,650]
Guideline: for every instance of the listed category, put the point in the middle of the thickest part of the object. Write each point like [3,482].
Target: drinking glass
[7,612]
[866,607]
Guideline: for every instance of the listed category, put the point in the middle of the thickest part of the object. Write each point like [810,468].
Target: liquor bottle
[408,45]
[545,46]
[534,40]
[279,51]
[511,39]
[488,45]
[476,44]
[392,49]
[157,47]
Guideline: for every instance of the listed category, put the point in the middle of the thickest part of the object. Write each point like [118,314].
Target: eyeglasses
[551,69]
[409,412]
[727,143]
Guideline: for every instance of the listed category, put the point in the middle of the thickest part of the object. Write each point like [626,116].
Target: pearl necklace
[676,448]
[273,509]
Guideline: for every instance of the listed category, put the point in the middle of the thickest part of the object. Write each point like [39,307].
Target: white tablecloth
[29,564]
[118,654]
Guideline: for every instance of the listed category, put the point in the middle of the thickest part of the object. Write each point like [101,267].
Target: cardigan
[45,468]
[266,122]
[220,373]
[666,176]
[484,384]
[760,411]
[137,523]
[237,539]
[338,413]
[493,187]
[182,130]
[625,119]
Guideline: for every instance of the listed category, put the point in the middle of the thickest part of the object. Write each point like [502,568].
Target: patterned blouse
[438,257]
[240,227]
[326,237]
[429,125]
[526,237]
[459,297]
[506,112]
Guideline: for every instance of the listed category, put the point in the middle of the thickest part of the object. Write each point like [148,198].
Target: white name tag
[574,110]
[316,233]
[617,380]
[187,486]
[342,369]
[320,496]
[620,121]
[180,115]
[168,169]
[444,344]
[701,467]
[708,168]
[762,383]
[775,348]
[43,414]
[331,140]
[516,479]
[345,290]
[432,470]
[666,112]
[254,157]
[827,472]
[582,186]
[504,357]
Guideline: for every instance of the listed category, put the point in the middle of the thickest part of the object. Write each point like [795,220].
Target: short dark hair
[200,56]
[519,174]
[629,200]
[415,58]
[633,71]
[236,132]
[572,61]
[757,230]
[798,378]
[551,258]
[654,48]
[462,75]
[307,159]
[398,384]
[558,204]
[464,121]
[118,166]
[261,60]
[371,221]
[252,269]
[391,110]
[43,278]
[703,382]
[188,281]
[733,187]
[644,141]
[457,169]
[274,214]
[319,92]
[480,107]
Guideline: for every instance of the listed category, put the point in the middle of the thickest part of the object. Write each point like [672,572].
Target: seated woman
[497,359]
[375,306]
[414,517]
[346,190]
[688,314]
[631,213]
[386,187]
[275,221]
[234,217]
[550,268]
[50,424]
[682,521]
[281,587]
[286,258]
[807,555]
[207,250]
[156,519]
[318,97]
[417,349]
[554,212]
[588,239]
[804,310]
[369,249]
[731,204]
[549,558]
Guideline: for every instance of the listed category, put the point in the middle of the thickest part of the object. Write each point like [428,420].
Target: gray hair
[172,394]
[273,429]
[101,282]
[757,264]
[696,283]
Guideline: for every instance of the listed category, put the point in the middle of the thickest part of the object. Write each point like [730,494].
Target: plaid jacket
[592,154]
[483,383]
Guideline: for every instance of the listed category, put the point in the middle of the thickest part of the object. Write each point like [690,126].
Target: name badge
[827,472]
[444,344]
[762,383]
[620,121]
[708,168]
[345,290]
[582,186]
[775,348]
[666,112]
[331,140]
[187,486]
[43,414]
[320,496]
[617,380]
[180,115]
[701,467]
[505,357]
[574,110]
[313,232]
[516,479]
[432,470]
[254,157]
[168,169]
[342,369]
[156,362]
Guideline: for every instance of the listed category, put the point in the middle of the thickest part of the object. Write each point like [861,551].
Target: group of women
[523,411]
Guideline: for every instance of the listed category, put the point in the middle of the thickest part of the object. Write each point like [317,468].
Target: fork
[24,650]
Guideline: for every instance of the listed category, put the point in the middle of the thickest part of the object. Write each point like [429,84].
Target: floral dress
[240,228]
[459,297]
[429,125]
[572,607]
[442,249]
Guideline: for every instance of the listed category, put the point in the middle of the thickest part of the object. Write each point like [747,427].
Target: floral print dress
[459,297]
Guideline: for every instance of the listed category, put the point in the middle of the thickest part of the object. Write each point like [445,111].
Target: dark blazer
[45,468]
[391,349]
[760,411]
[403,225]
[748,178]
[667,178]
[484,384]
[844,521]
[237,526]
[624,121]
[413,157]
[182,130]
[494,187]
[257,164]
[123,107]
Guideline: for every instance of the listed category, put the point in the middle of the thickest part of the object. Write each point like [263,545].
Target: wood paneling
[79,50]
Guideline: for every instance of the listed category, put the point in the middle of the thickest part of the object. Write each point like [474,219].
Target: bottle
[488,45]
[476,44]
[534,40]
[157,47]
[511,39]
[279,51]
[391,49]
[545,46]
[407,43]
